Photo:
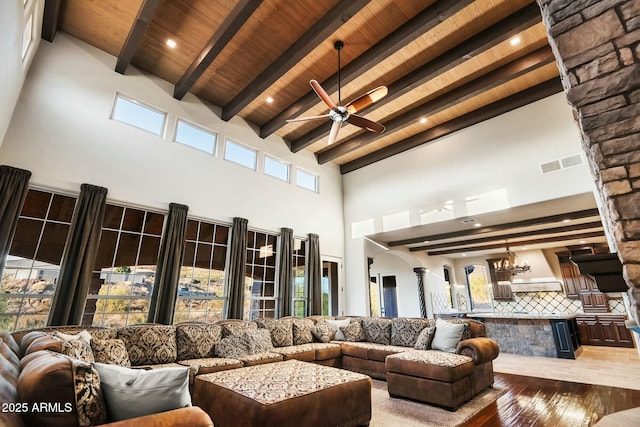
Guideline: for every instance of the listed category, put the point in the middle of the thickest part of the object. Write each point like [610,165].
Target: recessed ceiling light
[583,241]
[477,224]
[423,120]
[566,220]
[515,41]
[171,43]
[464,254]
[269,99]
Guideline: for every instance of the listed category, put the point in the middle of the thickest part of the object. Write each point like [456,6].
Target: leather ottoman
[430,376]
[290,393]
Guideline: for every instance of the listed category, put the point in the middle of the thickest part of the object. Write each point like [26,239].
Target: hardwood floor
[560,401]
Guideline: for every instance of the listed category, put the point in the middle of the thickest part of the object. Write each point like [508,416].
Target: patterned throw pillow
[323,333]
[196,340]
[377,330]
[112,351]
[257,340]
[90,404]
[424,338]
[236,328]
[302,331]
[149,344]
[405,331]
[353,332]
[231,347]
[78,349]
[103,334]
[281,331]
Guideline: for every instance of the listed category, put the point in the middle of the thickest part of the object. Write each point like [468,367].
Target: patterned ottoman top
[433,357]
[275,382]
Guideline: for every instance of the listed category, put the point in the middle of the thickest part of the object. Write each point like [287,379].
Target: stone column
[420,271]
[596,45]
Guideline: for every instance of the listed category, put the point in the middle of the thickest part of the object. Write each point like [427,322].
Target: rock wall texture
[597,48]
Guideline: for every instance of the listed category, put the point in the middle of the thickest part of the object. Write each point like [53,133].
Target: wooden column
[420,271]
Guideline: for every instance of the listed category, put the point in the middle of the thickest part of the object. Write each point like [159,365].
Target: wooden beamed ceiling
[447,61]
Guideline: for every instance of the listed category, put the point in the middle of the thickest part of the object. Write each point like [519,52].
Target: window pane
[276,168]
[36,204]
[307,180]
[195,137]
[62,208]
[135,114]
[240,154]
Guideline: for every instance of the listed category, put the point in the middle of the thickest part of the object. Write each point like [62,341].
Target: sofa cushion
[66,383]
[302,331]
[231,347]
[304,352]
[281,331]
[335,325]
[377,330]
[112,351]
[236,327]
[353,332]
[149,344]
[212,364]
[132,393]
[261,358]
[424,339]
[196,340]
[405,330]
[323,332]
[431,364]
[257,340]
[447,336]
[8,339]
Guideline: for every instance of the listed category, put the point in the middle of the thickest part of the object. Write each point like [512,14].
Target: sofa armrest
[480,349]
[191,416]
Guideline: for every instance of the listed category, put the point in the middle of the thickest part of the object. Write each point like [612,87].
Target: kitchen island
[547,334]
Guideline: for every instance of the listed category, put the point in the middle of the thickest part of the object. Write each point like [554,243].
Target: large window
[125,267]
[201,291]
[260,276]
[33,264]
[299,278]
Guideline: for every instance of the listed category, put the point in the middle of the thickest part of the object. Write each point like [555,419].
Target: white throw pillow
[131,393]
[447,336]
[336,325]
[83,336]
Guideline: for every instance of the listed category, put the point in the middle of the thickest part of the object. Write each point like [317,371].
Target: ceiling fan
[345,113]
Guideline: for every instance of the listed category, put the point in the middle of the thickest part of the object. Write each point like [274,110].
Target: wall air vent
[468,220]
[564,163]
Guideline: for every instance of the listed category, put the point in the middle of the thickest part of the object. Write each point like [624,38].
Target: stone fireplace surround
[597,48]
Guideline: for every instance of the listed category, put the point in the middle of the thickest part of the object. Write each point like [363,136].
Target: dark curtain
[14,185]
[237,262]
[78,257]
[314,274]
[165,286]
[285,276]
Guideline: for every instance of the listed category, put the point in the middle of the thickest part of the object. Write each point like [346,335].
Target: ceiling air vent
[468,220]
[564,163]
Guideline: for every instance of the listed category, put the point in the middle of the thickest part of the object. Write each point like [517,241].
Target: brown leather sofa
[42,389]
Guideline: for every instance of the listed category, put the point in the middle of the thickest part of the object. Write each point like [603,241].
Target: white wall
[62,133]
[504,152]
[13,69]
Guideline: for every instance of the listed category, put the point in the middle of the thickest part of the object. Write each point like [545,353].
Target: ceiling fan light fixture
[171,43]
[515,41]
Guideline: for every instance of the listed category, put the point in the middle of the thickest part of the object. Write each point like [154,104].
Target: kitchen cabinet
[570,278]
[582,287]
[605,330]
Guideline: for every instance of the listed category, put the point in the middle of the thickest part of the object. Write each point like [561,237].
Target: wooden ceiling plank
[517,100]
[510,236]
[414,28]
[523,242]
[145,14]
[525,18]
[51,19]
[222,36]
[322,29]
[495,78]
[585,213]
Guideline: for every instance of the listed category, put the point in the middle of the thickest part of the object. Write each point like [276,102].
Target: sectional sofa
[48,365]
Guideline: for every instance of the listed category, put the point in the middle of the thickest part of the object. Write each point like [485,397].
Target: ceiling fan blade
[367,99]
[333,134]
[322,94]
[365,123]
[308,118]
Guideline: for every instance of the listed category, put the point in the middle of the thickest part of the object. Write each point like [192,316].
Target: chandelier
[509,264]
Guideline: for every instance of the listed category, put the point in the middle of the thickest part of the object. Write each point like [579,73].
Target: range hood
[606,270]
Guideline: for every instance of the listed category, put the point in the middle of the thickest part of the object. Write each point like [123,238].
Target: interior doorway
[330,287]
[477,286]
[390,297]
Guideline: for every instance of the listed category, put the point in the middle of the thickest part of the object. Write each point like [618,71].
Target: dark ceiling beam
[510,236]
[145,14]
[524,242]
[223,35]
[520,99]
[51,19]
[321,30]
[585,213]
[414,28]
[491,80]
[504,30]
